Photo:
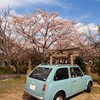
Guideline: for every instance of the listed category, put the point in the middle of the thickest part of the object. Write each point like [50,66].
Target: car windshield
[40,73]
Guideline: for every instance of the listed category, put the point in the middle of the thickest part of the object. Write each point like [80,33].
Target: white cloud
[11,3]
[59,17]
[84,17]
[21,3]
[61,4]
[12,12]
[85,28]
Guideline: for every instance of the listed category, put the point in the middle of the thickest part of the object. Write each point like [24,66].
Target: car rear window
[40,73]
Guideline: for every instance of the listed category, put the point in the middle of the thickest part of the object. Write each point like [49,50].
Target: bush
[79,61]
[98,71]
[2,71]
[23,69]
[6,70]
[9,70]
[98,66]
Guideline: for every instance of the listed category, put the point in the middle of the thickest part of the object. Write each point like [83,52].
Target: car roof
[57,66]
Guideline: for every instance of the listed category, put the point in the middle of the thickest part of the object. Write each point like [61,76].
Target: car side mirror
[84,73]
[81,74]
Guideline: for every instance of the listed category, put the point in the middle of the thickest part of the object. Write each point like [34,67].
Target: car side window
[61,74]
[75,72]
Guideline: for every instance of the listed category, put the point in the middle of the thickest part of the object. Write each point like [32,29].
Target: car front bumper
[37,97]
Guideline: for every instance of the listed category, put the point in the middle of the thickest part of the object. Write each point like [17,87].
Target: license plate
[32,86]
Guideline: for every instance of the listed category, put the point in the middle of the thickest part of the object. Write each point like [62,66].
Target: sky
[83,11]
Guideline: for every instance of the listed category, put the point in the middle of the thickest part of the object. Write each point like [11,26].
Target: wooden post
[29,67]
[51,59]
[71,59]
[29,70]
[61,60]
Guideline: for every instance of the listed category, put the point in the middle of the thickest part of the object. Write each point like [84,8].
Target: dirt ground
[9,76]
[18,95]
[81,96]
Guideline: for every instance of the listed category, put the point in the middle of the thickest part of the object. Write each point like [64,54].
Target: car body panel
[37,86]
[70,86]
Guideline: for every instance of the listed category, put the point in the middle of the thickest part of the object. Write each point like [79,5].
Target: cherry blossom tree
[41,28]
[12,47]
[87,38]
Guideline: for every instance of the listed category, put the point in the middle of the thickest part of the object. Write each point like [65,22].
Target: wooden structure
[65,56]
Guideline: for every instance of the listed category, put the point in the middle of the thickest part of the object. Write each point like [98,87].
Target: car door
[61,82]
[78,80]
[81,78]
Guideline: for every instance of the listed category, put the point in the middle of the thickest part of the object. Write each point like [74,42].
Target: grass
[11,85]
[16,85]
[2,72]
[6,70]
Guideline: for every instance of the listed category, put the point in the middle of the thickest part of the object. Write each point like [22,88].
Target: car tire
[88,88]
[25,94]
[59,96]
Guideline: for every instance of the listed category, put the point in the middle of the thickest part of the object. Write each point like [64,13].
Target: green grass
[11,85]
[6,70]
[2,72]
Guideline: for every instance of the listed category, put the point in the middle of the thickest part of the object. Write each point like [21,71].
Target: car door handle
[74,81]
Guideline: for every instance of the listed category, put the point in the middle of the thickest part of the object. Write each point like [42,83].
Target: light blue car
[57,82]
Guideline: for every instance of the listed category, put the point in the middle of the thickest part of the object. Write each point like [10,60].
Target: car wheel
[25,94]
[59,96]
[88,88]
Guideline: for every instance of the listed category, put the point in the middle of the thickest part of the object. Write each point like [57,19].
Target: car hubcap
[59,98]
